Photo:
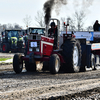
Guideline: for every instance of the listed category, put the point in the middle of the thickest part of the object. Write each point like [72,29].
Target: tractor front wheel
[17,63]
[54,64]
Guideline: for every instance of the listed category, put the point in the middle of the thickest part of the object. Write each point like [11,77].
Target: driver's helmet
[52,24]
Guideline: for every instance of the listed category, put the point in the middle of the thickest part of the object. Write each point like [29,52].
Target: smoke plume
[48,6]
[84,4]
[47,9]
[87,3]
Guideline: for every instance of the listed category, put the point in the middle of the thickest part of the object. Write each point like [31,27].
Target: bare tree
[4,26]
[76,23]
[9,26]
[1,28]
[89,28]
[16,26]
[39,18]
[79,19]
[27,20]
[69,21]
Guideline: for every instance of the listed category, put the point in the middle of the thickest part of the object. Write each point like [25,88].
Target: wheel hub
[57,65]
[75,56]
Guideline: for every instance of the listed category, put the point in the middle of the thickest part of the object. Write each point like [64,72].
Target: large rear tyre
[5,47]
[30,67]
[72,56]
[54,64]
[17,63]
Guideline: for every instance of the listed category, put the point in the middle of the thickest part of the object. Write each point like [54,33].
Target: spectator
[96,26]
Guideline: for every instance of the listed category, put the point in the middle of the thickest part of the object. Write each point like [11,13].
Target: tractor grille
[34,46]
[34,37]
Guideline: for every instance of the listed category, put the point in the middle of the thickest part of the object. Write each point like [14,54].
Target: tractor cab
[34,30]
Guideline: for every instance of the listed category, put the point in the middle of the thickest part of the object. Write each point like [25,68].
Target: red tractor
[69,54]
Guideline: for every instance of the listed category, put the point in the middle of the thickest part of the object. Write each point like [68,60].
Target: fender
[60,56]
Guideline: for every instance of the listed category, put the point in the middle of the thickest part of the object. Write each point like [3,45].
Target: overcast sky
[13,11]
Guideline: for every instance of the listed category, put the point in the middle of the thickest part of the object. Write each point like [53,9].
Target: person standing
[96,26]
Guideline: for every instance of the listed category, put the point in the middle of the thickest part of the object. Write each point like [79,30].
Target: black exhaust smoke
[48,6]
[47,10]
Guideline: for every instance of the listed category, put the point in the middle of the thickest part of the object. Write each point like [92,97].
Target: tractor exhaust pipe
[46,30]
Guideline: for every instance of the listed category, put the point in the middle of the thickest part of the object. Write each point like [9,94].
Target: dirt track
[43,85]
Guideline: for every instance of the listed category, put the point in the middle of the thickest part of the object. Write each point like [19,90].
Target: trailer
[74,52]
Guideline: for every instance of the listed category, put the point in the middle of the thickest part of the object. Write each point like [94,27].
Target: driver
[52,32]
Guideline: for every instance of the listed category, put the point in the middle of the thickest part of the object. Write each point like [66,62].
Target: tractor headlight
[30,49]
[37,49]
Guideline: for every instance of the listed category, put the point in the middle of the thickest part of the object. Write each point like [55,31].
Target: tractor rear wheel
[5,47]
[72,55]
[54,64]
[30,67]
[17,63]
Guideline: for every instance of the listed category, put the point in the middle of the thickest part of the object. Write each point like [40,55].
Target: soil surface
[45,86]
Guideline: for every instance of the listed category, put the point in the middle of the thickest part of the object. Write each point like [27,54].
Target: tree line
[9,26]
[76,22]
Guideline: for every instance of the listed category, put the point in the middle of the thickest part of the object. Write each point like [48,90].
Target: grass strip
[4,59]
